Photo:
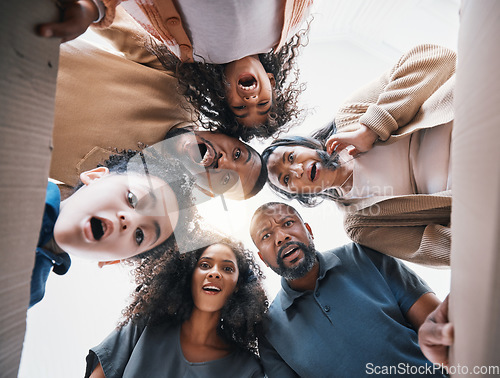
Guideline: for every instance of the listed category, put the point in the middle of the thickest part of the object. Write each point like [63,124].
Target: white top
[416,164]
[222,31]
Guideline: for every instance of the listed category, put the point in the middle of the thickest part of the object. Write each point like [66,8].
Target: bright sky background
[351,43]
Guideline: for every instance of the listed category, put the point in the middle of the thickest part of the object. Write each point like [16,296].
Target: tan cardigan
[165,23]
[105,101]
[417,93]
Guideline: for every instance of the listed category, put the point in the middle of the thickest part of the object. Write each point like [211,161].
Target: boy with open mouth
[128,208]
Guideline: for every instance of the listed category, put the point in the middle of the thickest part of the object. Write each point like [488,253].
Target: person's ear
[88,176]
[271,79]
[104,263]
[260,255]
[309,229]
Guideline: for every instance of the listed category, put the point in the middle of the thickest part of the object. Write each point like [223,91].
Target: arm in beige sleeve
[427,244]
[416,76]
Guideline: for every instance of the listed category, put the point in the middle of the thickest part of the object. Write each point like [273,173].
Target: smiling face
[298,169]
[116,216]
[220,163]
[249,91]
[284,241]
[214,278]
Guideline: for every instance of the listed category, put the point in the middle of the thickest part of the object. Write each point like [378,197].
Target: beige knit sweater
[417,93]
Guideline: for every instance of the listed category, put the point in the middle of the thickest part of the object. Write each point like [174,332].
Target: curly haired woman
[234,60]
[192,314]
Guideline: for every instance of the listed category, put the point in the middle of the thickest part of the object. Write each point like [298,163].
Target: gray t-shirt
[136,351]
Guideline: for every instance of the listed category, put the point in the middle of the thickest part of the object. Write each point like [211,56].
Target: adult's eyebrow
[262,231]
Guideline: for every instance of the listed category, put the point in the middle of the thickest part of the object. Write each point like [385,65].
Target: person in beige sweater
[387,166]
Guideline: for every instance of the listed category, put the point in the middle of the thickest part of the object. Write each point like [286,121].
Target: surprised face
[116,216]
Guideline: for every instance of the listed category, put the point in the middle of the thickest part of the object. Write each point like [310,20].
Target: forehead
[276,213]
[219,252]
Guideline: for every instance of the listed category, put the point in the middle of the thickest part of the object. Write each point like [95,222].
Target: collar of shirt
[326,262]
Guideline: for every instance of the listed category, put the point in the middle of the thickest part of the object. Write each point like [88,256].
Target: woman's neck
[201,328]
[199,339]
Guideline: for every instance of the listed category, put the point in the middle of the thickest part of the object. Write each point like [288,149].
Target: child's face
[250,90]
[116,216]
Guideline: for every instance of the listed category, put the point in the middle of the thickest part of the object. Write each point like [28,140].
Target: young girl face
[116,216]
[298,169]
[249,90]
[214,278]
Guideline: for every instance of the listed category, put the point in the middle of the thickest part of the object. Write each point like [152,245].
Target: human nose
[281,237]
[297,169]
[126,220]
[214,272]
[224,162]
[251,99]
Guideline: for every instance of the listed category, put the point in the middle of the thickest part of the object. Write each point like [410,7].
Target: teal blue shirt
[351,325]
[45,260]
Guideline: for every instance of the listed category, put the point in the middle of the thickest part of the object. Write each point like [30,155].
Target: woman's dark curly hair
[317,141]
[163,294]
[170,170]
[204,86]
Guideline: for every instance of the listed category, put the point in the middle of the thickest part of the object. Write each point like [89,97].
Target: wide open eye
[236,154]
[132,199]
[286,179]
[291,157]
[139,236]
[204,265]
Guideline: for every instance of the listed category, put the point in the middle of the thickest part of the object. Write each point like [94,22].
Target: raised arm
[391,102]
[76,17]
[413,228]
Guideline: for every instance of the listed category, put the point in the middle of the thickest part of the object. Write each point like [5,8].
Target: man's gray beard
[300,270]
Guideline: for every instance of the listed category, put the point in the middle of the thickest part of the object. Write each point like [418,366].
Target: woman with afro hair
[193,314]
[234,60]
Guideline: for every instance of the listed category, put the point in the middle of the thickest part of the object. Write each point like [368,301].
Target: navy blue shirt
[351,325]
[45,261]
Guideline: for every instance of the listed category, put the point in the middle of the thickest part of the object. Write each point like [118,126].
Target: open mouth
[289,253]
[313,172]
[247,82]
[201,154]
[98,228]
[212,289]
